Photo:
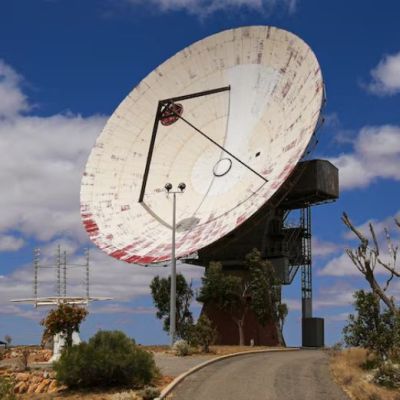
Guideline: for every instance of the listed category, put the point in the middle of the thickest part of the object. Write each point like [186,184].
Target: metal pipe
[172,319]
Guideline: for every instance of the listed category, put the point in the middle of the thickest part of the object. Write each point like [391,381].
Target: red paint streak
[240,219]
[128,248]
[285,171]
[118,253]
[91,227]
[275,185]
[132,259]
[146,259]
[267,171]
[289,146]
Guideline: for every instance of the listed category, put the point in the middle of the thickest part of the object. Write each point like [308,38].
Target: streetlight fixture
[172,318]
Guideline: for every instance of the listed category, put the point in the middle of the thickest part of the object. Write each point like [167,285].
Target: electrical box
[313,332]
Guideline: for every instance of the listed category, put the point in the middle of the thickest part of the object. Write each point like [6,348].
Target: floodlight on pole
[172,318]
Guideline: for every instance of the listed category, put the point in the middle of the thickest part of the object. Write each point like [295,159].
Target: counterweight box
[313,332]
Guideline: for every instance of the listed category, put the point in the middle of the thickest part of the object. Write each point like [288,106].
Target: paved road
[173,366]
[294,375]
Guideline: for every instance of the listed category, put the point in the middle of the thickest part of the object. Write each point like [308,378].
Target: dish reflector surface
[266,119]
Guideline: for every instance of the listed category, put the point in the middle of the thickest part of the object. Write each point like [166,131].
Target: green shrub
[388,375]
[370,363]
[181,348]
[6,389]
[149,393]
[204,333]
[110,358]
[374,328]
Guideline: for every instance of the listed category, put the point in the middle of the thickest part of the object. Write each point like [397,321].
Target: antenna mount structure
[235,117]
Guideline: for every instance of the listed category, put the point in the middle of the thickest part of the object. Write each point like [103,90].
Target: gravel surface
[296,375]
[173,366]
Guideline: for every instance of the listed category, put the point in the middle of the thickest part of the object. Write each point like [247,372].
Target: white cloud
[343,266]
[340,266]
[322,248]
[10,243]
[338,317]
[386,76]
[113,308]
[376,155]
[379,228]
[292,304]
[22,311]
[203,8]
[339,294]
[41,165]
[331,120]
[12,100]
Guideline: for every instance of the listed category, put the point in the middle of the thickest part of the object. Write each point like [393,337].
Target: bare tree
[367,256]
[8,339]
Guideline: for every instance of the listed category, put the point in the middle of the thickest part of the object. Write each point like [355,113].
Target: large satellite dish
[254,91]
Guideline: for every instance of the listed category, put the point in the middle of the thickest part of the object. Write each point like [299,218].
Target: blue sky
[66,65]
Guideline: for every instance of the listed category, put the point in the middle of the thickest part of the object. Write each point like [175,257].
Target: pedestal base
[59,343]
[228,331]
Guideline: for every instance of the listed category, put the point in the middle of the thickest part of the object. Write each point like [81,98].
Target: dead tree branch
[365,258]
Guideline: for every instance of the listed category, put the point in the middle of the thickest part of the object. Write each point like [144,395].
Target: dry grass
[223,350]
[156,348]
[217,350]
[346,368]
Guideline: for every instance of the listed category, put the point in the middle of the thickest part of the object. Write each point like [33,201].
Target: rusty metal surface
[267,120]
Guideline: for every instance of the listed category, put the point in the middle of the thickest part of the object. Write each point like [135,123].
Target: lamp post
[172,318]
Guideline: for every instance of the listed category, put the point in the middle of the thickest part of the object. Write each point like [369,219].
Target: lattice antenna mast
[64,265]
[306,271]
[60,287]
[36,266]
[87,255]
[58,270]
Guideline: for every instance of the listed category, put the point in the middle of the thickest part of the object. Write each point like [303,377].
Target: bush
[181,348]
[204,333]
[388,375]
[375,330]
[370,363]
[149,393]
[130,395]
[6,389]
[8,339]
[337,347]
[110,358]
[64,319]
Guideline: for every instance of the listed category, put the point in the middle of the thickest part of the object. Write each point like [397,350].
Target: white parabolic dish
[266,119]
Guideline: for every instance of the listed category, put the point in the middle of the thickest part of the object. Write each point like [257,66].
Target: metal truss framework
[306,270]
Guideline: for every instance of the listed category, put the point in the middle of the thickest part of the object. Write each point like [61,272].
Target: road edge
[167,390]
